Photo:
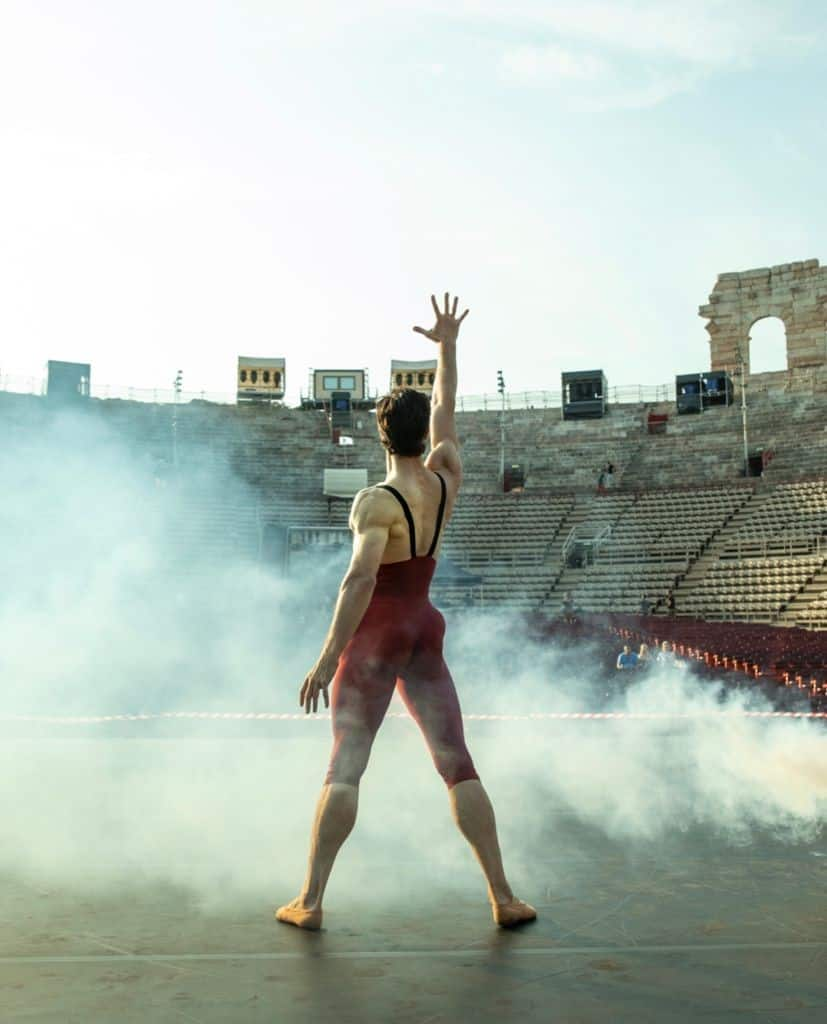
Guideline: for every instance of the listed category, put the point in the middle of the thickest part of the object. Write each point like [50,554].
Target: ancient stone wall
[794,292]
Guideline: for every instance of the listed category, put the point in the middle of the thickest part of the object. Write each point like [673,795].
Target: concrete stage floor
[688,928]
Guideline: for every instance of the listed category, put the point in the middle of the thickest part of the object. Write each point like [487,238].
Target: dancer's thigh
[429,693]
[361,691]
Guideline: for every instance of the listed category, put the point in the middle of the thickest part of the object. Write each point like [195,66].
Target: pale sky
[182,182]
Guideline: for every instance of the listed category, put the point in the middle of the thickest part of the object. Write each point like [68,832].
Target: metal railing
[787,543]
[33,385]
[591,543]
[165,396]
[623,394]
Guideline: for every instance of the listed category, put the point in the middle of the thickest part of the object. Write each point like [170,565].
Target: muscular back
[377,512]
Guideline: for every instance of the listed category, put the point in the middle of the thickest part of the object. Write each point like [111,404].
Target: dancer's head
[402,418]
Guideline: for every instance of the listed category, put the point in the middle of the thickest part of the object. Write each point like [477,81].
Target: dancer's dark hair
[403,418]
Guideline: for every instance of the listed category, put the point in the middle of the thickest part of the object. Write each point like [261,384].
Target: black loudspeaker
[340,406]
[68,382]
[695,392]
[513,478]
[584,394]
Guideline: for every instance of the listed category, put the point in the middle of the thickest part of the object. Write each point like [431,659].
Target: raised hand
[446,327]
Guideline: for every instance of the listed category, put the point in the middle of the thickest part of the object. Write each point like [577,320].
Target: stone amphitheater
[680,516]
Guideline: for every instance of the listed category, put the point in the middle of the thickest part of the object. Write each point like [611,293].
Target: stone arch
[794,292]
[767,345]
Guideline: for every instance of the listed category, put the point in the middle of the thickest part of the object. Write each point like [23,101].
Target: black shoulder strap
[439,516]
[407,511]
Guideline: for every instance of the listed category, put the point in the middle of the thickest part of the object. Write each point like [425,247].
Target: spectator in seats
[568,606]
[610,475]
[670,603]
[627,659]
[601,482]
[644,658]
[644,605]
[665,655]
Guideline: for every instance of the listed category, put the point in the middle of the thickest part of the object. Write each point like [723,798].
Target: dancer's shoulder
[372,506]
[445,460]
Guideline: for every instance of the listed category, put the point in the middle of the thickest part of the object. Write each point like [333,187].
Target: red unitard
[398,644]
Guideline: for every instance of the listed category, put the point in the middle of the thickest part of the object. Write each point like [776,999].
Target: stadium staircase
[808,608]
[726,537]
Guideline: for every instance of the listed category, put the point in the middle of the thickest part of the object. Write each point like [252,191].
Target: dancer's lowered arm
[370,521]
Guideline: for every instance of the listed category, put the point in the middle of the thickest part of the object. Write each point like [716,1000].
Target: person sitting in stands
[627,659]
[670,602]
[601,482]
[665,655]
[644,659]
[644,605]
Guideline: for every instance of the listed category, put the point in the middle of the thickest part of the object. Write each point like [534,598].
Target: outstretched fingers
[427,333]
[448,314]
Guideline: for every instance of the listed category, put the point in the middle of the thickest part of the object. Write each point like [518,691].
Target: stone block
[760,273]
[810,264]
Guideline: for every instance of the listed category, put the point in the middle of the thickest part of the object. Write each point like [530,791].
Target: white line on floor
[414,954]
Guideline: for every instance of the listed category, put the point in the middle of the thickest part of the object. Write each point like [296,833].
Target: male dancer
[385,633]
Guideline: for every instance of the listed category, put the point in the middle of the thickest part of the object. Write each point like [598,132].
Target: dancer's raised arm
[444,443]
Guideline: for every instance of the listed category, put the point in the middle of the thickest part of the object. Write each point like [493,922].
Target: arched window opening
[266,376]
[254,376]
[399,380]
[767,345]
[243,376]
[420,378]
[409,379]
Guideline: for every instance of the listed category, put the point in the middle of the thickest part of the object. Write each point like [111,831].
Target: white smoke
[115,601]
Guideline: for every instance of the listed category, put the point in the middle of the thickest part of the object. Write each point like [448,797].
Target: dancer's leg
[474,816]
[362,689]
[334,821]
[430,695]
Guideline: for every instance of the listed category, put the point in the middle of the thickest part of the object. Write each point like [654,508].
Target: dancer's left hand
[317,681]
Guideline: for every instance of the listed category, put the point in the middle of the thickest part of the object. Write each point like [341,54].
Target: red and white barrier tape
[539,716]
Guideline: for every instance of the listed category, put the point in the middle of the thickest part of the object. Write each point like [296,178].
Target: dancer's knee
[348,764]
[344,775]
[456,768]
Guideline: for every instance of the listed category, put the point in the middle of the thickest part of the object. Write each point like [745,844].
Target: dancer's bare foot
[513,913]
[295,912]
